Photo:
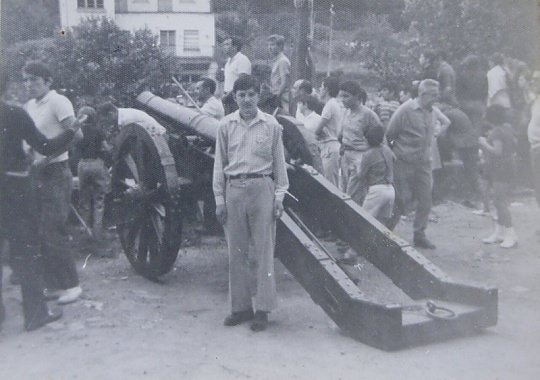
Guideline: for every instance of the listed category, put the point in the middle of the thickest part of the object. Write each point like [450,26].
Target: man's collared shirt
[213,107]
[236,65]
[355,124]
[281,68]
[48,114]
[333,114]
[131,115]
[254,148]
[411,129]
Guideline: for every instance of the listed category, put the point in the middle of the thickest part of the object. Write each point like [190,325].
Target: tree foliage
[28,19]
[98,59]
[460,27]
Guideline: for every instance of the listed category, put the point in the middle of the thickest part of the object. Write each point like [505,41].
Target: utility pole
[331,39]
[300,67]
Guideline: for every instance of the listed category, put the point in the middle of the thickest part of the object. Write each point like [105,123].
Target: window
[167,41]
[191,41]
[164,5]
[95,4]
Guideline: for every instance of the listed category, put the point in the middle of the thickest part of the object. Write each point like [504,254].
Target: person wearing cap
[410,131]
[249,183]
[53,114]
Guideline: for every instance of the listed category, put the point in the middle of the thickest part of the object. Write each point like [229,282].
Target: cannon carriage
[155,177]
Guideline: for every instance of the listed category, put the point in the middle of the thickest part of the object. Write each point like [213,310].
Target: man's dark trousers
[20,225]
[52,185]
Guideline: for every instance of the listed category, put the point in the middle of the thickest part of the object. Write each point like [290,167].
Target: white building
[186,28]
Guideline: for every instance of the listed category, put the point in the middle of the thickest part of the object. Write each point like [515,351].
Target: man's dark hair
[306,86]
[209,84]
[106,108]
[246,82]
[352,87]
[496,115]
[38,69]
[235,41]
[497,58]
[374,135]
[279,40]
[309,100]
[430,55]
[331,84]
[390,86]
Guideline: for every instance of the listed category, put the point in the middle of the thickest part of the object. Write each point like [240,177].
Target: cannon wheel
[146,201]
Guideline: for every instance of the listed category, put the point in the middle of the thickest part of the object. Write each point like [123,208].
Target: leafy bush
[99,60]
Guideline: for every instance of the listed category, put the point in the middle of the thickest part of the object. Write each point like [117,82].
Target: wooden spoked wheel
[146,201]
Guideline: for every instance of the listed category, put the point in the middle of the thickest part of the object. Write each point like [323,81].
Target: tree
[19,20]
[460,27]
[97,59]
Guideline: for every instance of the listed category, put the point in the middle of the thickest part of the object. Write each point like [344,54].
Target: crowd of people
[383,150]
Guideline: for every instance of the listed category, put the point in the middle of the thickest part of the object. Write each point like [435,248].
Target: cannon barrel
[179,116]
[299,143]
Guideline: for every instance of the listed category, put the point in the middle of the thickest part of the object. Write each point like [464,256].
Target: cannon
[154,177]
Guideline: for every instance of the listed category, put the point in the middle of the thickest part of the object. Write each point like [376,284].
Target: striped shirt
[254,148]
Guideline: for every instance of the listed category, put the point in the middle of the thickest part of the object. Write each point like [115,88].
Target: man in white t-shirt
[111,116]
[305,112]
[280,75]
[236,65]
[210,105]
[329,129]
[53,114]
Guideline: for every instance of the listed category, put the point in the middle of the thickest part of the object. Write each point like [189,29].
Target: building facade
[186,28]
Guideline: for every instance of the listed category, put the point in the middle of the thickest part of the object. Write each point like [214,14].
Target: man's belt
[248,176]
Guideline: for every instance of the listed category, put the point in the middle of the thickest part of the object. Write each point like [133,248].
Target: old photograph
[270,189]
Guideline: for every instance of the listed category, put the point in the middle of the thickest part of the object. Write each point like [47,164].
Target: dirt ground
[126,327]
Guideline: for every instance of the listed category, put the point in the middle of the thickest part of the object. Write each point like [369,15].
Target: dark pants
[469,157]
[53,191]
[412,182]
[21,229]
[501,192]
[535,166]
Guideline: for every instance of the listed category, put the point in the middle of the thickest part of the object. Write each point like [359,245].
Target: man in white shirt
[280,75]
[53,114]
[305,112]
[210,105]
[110,115]
[236,65]
[329,129]
[497,84]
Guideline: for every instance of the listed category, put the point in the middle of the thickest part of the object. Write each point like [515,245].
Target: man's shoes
[421,241]
[238,317]
[51,295]
[260,322]
[51,316]
[70,295]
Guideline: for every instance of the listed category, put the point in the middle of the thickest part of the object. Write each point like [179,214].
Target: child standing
[499,148]
[377,176]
